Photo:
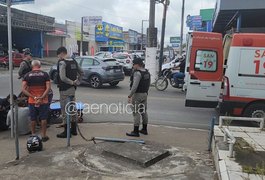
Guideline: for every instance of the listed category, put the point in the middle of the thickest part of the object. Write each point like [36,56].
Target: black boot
[135,132]
[64,133]
[144,130]
[73,128]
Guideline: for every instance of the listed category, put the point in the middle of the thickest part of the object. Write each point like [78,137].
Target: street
[164,108]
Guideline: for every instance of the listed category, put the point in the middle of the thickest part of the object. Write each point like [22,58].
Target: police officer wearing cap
[140,83]
[25,65]
[70,75]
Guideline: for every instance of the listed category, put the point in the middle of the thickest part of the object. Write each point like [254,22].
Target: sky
[125,13]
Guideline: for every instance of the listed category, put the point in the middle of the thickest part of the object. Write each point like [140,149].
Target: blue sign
[194,22]
[175,45]
[14,2]
[106,31]
[116,43]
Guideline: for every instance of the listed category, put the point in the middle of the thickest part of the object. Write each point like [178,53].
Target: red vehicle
[17,59]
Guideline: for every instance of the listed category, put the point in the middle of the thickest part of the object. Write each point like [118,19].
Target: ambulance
[228,73]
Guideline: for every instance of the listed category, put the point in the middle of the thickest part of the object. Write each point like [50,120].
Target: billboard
[106,31]
[14,2]
[175,39]
[194,22]
[133,36]
[92,20]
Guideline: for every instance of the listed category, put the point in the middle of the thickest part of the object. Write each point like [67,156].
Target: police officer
[25,65]
[69,76]
[140,83]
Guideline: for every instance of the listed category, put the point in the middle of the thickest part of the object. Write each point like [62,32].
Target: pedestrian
[23,118]
[140,83]
[25,65]
[70,75]
[36,85]
[4,108]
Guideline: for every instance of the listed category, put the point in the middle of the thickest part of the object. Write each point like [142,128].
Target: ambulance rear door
[205,70]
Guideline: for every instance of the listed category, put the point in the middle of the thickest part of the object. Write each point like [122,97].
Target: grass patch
[252,162]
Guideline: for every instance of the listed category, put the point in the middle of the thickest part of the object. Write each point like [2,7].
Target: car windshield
[111,62]
[120,56]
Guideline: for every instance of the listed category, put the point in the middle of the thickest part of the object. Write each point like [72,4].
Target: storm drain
[140,154]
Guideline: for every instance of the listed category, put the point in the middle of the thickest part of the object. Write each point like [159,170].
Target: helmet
[34,143]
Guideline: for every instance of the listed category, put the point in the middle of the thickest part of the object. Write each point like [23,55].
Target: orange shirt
[36,82]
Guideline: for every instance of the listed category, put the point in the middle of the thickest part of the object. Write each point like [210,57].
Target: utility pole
[165,3]
[182,24]
[151,61]
[82,32]
[143,33]
[152,31]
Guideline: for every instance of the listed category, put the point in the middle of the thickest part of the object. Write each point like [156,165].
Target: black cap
[27,53]
[138,61]
[61,50]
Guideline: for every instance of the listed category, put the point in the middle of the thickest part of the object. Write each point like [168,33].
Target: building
[54,39]
[28,30]
[239,16]
[109,37]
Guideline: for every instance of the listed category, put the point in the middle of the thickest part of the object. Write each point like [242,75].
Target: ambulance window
[206,60]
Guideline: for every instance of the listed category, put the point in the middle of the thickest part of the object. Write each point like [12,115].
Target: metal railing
[260,120]
[231,140]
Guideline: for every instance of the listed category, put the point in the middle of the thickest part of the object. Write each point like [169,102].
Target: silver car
[96,71]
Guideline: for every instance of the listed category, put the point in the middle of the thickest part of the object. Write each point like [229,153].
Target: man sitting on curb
[23,118]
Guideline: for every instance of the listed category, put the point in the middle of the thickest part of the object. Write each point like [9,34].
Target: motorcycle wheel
[161,84]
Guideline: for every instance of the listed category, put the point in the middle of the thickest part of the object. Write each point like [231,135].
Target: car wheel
[114,83]
[54,77]
[256,110]
[95,81]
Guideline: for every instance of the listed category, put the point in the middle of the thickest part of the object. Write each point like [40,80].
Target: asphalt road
[164,108]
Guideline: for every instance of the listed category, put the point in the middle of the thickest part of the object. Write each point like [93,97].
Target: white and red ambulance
[229,72]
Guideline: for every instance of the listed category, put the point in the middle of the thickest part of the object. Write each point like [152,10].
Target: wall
[51,44]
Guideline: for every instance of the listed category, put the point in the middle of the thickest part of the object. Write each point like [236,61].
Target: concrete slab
[141,154]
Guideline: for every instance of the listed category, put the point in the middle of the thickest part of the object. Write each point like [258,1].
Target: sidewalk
[248,154]
[84,160]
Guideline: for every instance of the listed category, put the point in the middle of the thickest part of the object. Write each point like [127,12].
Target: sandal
[60,126]
[46,138]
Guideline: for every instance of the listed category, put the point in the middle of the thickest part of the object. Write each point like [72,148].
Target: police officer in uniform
[25,65]
[140,83]
[69,77]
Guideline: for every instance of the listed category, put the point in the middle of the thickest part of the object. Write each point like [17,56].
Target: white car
[126,60]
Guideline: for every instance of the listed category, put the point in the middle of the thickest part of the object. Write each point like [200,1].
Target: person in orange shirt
[36,85]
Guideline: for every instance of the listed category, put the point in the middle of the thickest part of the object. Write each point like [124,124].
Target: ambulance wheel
[256,110]
[161,84]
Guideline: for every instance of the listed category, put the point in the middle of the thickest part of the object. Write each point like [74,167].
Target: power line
[102,11]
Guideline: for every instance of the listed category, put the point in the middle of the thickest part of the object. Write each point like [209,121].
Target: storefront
[28,30]
[109,37]
[54,40]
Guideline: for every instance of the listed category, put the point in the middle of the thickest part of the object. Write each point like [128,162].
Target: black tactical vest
[144,83]
[27,69]
[71,70]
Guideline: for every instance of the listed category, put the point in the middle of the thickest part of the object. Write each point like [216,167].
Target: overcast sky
[124,13]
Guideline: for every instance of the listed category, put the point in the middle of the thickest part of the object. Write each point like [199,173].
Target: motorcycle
[166,77]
